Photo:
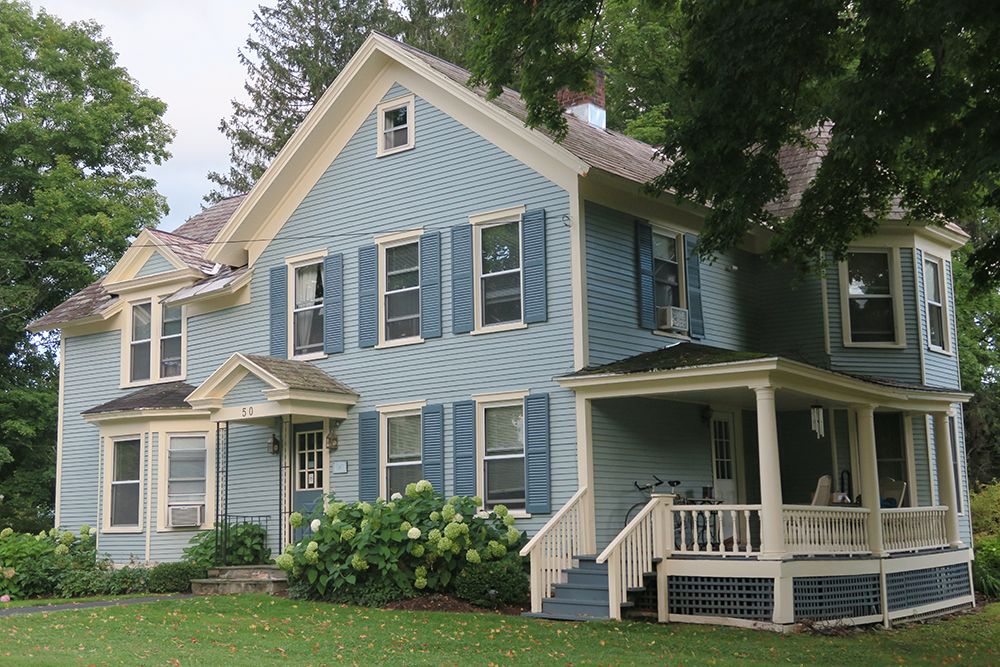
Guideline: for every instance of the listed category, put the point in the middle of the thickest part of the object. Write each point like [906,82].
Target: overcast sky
[185,53]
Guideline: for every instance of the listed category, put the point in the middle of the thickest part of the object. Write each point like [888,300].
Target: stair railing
[630,555]
[553,547]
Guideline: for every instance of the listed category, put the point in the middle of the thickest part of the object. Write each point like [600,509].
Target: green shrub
[506,578]
[984,503]
[371,553]
[986,567]
[174,577]
[247,545]
[31,564]
[128,579]
[82,582]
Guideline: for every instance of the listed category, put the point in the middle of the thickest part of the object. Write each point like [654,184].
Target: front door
[308,470]
[724,458]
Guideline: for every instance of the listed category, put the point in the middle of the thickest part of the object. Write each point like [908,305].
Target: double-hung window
[307,310]
[140,352]
[171,341]
[870,285]
[401,304]
[666,270]
[503,455]
[499,273]
[395,123]
[186,479]
[934,298]
[403,464]
[125,483]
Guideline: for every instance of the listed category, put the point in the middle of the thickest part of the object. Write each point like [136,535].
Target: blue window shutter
[368,443]
[279,312]
[368,296]
[692,267]
[333,304]
[462,314]
[533,242]
[430,286]
[644,271]
[536,453]
[464,443]
[432,445]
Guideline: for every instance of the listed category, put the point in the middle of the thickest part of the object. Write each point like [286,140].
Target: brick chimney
[588,106]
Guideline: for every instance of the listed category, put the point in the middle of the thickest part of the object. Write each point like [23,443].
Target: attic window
[395,125]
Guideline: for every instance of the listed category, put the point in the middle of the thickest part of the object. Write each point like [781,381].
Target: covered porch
[736,427]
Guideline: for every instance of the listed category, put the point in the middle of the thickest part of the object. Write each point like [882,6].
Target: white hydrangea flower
[316,523]
[396,496]
[413,533]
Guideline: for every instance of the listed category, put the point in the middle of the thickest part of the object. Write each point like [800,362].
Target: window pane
[665,248]
[936,318]
[504,430]
[140,361]
[178,442]
[404,438]
[395,117]
[126,460]
[170,357]
[872,321]
[193,489]
[402,267]
[125,504]
[399,476]
[171,321]
[502,298]
[501,247]
[403,328]
[188,467]
[142,317]
[309,331]
[505,482]
[868,273]
[667,295]
[932,282]
[308,286]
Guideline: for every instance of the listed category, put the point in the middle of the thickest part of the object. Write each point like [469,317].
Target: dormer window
[395,122]
[171,342]
[142,329]
[155,342]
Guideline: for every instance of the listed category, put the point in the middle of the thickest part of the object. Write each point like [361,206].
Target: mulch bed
[439,602]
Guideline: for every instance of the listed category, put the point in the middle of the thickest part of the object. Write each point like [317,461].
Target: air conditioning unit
[669,318]
[185,516]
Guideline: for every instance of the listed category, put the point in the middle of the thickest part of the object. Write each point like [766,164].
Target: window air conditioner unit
[185,516]
[669,318]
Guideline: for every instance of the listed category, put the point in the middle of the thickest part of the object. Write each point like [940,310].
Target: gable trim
[144,247]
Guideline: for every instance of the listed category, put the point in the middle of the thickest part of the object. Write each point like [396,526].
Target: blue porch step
[584,596]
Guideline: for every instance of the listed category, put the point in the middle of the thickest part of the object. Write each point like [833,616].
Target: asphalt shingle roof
[169,395]
[301,375]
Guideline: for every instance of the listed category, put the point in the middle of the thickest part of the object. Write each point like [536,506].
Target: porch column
[870,497]
[772,532]
[947,488]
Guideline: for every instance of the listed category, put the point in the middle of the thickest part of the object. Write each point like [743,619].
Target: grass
[48,602]
[250,630]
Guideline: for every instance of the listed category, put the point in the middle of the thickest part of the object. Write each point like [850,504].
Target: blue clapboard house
[419,287]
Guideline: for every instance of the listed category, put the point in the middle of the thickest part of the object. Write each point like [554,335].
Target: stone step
[233,586]
[258,572]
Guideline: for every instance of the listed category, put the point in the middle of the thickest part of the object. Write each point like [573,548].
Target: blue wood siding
[842,425]
[791,314]
[922,462]
[156,263]
[247,392]
[895,364]
[635,439]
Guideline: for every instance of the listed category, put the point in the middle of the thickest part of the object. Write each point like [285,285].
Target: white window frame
[206,520]
[293,263]
[166,337]
[385,242]
[322,463]
[109,465]
[390,105]
[385,413]
[895,294]
[480,222]
[483,403]
[156,307]
[678,237]
[939,272]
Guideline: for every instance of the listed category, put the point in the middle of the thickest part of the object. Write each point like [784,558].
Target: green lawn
[249,631]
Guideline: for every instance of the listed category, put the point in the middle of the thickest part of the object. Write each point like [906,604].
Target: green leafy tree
[75,137]
[439,27]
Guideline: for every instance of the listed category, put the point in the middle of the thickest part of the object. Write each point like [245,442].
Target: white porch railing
[630,555]
[910,528]
[553,547]
[722,530]
[824,530]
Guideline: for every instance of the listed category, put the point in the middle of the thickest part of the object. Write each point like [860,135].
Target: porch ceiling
[698,374]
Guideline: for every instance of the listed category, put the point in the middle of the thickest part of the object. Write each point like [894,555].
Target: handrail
[914,528]
[533,542]
[822,529]
[630,555]
[628,530]
[553,548]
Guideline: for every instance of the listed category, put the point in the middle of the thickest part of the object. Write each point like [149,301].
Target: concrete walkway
[13,611]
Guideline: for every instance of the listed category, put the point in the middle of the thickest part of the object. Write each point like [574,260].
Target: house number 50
[248,412]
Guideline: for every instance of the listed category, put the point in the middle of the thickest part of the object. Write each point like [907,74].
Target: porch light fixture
[332,442]
[817,421]
[273,444]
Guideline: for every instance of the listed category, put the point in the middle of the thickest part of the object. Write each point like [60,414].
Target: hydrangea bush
[415,541]
[30,565]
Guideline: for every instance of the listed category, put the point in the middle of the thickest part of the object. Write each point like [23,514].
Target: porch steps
[232,580]
[584,596]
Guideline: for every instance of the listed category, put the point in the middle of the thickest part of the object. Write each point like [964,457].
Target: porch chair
[821,496]
[890,489]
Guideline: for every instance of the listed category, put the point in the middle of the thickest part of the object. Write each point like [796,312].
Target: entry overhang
[294,388]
